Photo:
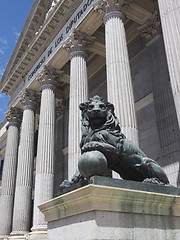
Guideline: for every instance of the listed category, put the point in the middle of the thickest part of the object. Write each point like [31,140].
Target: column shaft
[9,179]
[77,44]
[170,20]
[45,155]
[119,85]
[78,94]
[44,179]
[23,192]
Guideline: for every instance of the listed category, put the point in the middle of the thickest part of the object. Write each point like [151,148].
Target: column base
[19,235]
[38,233]
[4,237]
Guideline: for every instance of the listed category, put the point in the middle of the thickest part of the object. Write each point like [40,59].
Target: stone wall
[159,134]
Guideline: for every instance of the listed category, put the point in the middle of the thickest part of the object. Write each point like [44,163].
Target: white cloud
[3,41]
[1,71]
[1,51]
[3,45]
[16,34]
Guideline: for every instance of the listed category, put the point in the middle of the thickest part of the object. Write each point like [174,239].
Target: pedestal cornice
[48,77]
[105,198]
[14,116]
[77,44]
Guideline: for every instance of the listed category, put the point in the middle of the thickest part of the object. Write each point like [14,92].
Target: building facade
[127,52]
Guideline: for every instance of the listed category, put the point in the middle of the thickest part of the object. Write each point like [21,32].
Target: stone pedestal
[114,212]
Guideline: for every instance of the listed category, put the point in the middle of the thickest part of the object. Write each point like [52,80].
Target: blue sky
[13,14]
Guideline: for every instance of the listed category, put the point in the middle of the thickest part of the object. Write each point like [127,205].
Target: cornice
[46,33]
[55,20]
[33,21]
[112,199]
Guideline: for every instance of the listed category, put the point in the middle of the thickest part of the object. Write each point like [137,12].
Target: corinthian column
[45,149]
[9,172]
[76,44]
[119,85]
[170,20]
[23,191]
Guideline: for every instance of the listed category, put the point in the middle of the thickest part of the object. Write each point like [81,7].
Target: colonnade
[17,197]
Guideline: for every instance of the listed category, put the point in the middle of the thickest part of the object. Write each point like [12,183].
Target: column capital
[14,116]
[111,8]
[29,99]
[60,107]
[77,43]
[152,28]
[48,77]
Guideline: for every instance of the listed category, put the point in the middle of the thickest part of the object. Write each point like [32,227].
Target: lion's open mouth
[97,120]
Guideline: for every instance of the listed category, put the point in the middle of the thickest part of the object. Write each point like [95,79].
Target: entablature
[91,23]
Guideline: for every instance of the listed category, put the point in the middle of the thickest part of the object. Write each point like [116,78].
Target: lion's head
[98,114]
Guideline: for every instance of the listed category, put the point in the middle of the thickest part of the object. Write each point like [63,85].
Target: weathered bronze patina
[101,132]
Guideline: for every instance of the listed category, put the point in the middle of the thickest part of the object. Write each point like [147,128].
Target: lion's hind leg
[154,173]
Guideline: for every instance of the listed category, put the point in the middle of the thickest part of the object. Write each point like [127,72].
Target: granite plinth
[111,182]
[119,212]
[148,187]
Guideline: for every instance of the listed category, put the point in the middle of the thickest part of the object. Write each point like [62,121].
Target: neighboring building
[64,55]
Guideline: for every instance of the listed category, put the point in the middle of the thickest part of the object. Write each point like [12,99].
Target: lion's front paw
[92,146]
[65,184]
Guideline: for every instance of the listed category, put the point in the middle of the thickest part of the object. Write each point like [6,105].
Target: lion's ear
[111,107]
[82,106]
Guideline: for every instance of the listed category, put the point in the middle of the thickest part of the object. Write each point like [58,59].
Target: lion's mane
[111,125]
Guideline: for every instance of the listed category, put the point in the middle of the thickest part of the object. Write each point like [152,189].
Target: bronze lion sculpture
[101,131]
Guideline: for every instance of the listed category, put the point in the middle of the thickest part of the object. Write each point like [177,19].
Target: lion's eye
[102,106]
[90,107]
